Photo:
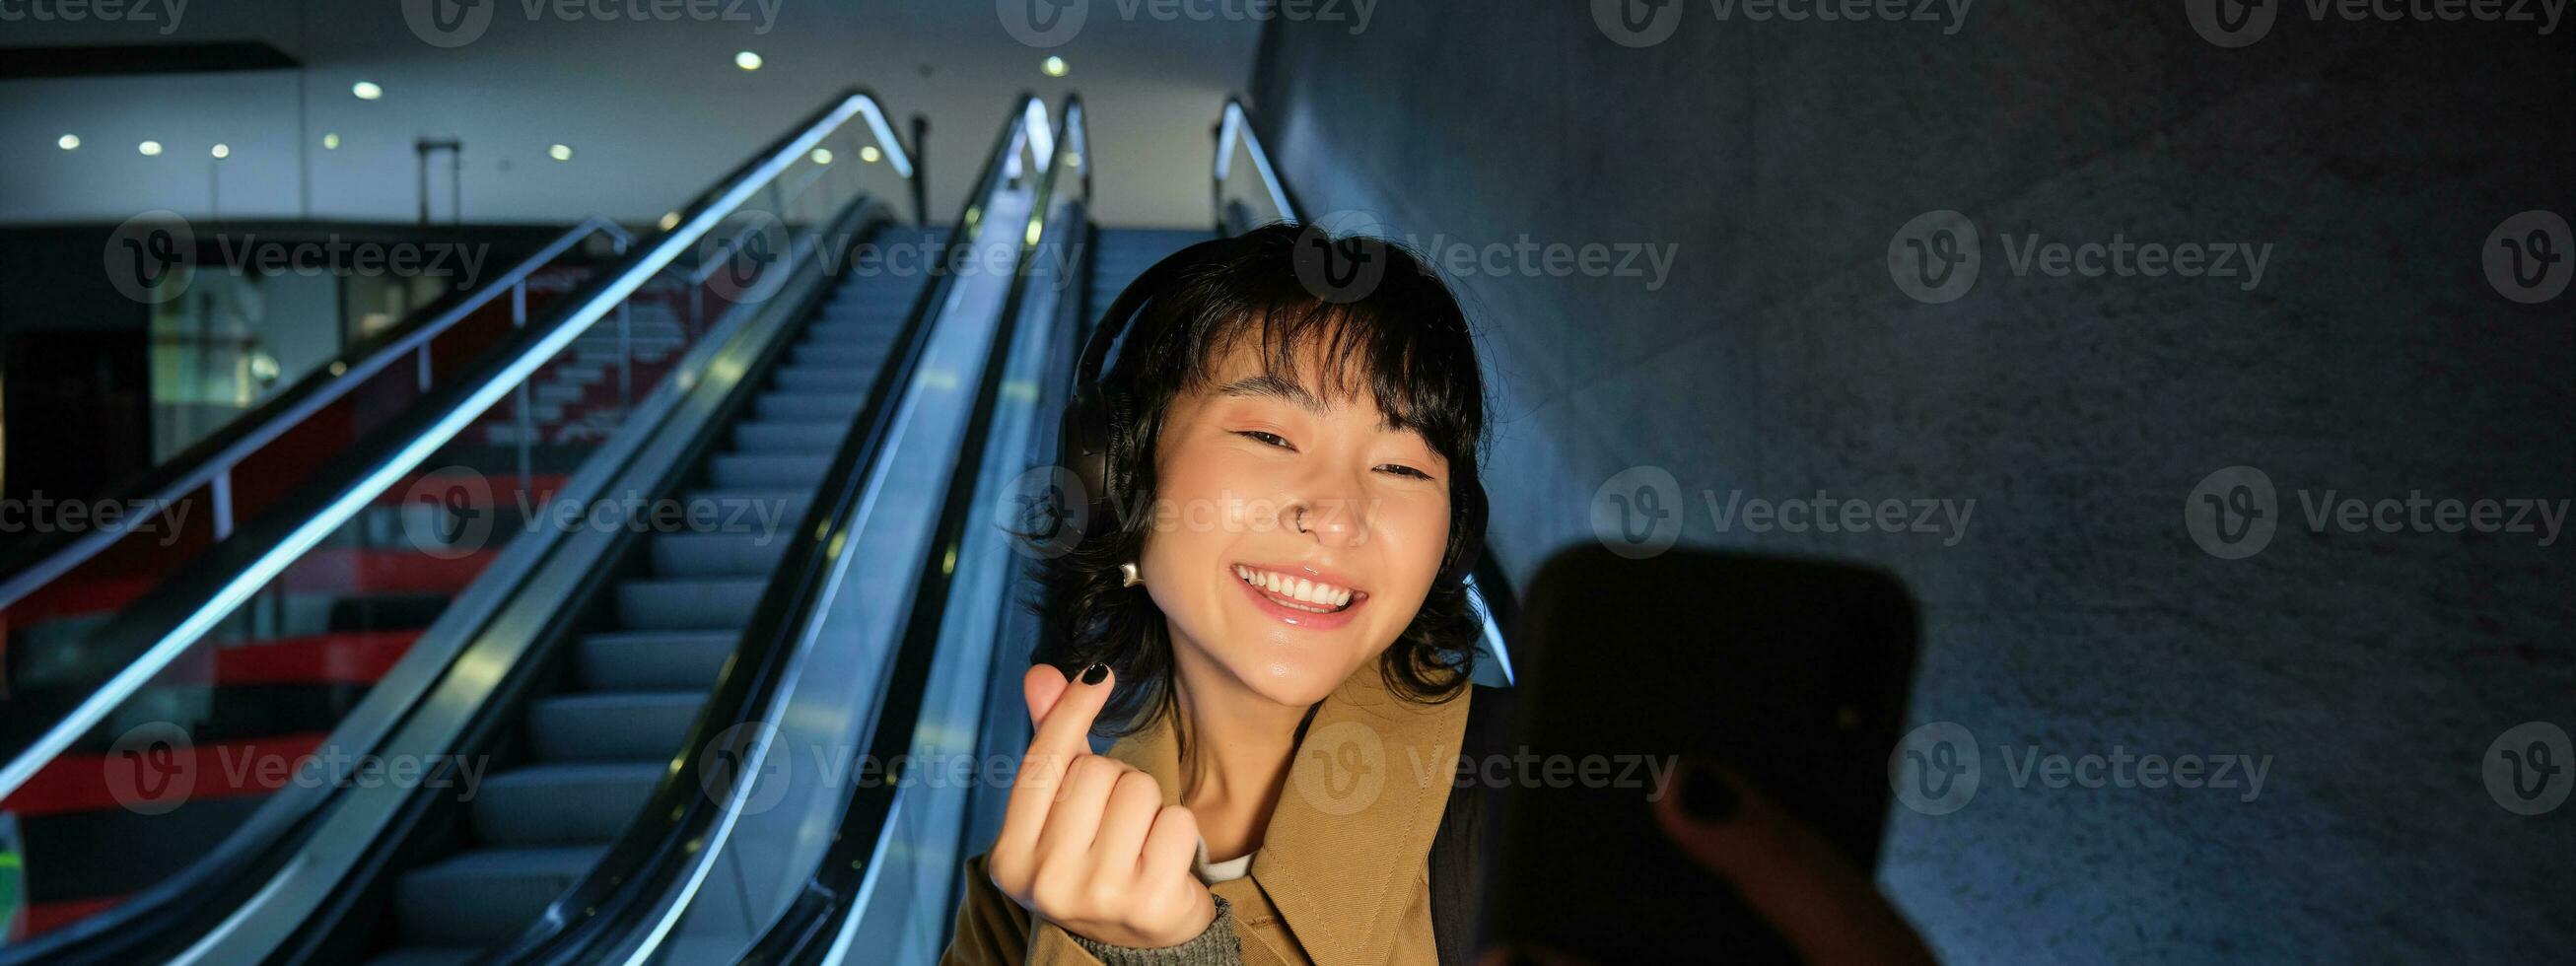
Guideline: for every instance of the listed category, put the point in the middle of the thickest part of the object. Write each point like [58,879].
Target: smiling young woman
[1293,486]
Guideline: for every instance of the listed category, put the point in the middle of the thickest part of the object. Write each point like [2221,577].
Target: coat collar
[1345,849]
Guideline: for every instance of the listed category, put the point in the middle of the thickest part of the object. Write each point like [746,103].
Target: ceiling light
[223,151]
[560,152]
[1053,66]
[68,142]
[870,154]
[150,149]
[747,60]
[331,141]
[366,90]
[821,155]
[670,221]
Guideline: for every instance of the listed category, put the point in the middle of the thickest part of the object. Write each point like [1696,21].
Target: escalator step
[845,378]
[654,661]
[565,802]
[486,896]
[749,547]
[768,470]
[689,603]
[836,354]
[777,404]
[805,434]
[737,509]
[613,725]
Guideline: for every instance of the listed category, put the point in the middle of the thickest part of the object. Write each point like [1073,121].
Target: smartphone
[1793,672]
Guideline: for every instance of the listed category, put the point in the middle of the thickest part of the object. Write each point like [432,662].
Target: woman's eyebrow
[1275,387]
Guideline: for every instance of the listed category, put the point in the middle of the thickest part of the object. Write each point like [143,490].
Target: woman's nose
[1332,521]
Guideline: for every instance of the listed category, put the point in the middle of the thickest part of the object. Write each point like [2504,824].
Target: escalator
[183,763]
[596,749]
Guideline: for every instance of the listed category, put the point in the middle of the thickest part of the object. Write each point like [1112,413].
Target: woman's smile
[1300,597]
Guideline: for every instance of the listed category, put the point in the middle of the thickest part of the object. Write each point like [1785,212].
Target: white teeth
[1325,597]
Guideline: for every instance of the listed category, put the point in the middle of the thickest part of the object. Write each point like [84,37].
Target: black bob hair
[1398,333]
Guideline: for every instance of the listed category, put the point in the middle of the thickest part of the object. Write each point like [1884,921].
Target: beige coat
[1342,875]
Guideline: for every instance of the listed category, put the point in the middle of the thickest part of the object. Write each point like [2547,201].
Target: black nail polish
[1095,674]
[1706,794]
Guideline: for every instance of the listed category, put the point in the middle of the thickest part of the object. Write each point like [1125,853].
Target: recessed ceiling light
[560,152]
[331,141]
[1053,66]
[670,220]
[870,154]
[150,149]
[747,60]
[68,142]
[223,151]
[822,155]
[366,90]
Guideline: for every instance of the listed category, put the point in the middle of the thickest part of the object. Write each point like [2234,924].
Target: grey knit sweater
[1216,945]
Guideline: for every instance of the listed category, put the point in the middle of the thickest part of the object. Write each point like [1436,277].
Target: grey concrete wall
[2075,613]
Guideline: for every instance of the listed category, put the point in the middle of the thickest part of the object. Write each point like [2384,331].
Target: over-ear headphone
[1100,417]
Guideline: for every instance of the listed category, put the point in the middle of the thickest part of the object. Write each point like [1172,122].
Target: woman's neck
[1236,746]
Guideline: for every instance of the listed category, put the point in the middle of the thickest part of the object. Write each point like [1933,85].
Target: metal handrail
[799,934]
[335,381]
[183,611]
[618,897]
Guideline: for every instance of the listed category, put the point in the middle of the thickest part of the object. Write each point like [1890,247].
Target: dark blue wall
[2075,613]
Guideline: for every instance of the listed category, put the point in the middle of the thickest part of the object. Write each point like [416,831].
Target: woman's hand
[1786,871]
[1087,842]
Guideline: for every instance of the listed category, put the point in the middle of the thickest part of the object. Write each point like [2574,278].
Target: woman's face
[1293,536]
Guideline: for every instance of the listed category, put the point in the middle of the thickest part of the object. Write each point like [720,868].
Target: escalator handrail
[215,457]
[619,892]
[175,615]
[802,931]
[1487,586]
[1234,124]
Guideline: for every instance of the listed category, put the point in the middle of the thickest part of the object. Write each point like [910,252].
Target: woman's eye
[1272,439]
[1400,469]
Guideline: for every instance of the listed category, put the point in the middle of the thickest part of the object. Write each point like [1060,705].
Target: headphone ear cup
[1118,427]
[1084,443]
